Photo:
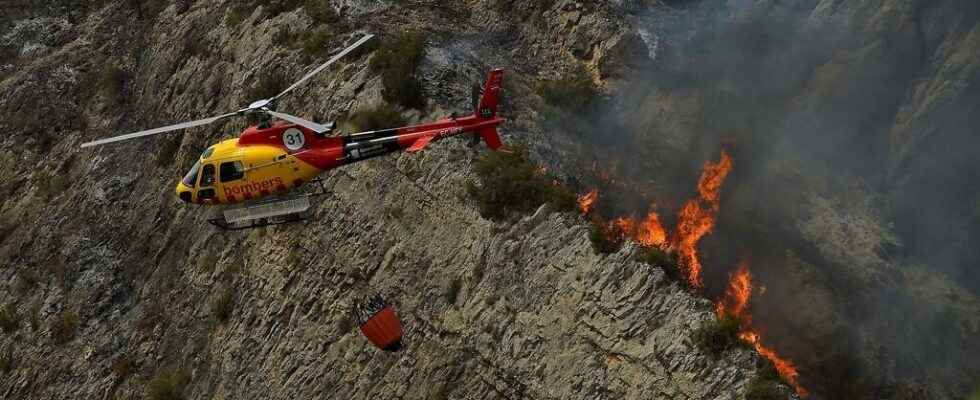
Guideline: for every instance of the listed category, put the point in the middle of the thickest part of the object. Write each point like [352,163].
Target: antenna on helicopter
[262,107]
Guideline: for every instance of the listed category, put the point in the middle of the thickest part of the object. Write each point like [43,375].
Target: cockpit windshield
[190,180]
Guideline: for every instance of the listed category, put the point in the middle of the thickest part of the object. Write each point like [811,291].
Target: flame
[693,223]
[586,202]
[651,232]
[712,178]
[735,303]
[736,299]
[622,227]
[697,218]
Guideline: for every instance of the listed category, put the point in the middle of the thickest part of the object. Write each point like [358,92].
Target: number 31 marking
[293,139]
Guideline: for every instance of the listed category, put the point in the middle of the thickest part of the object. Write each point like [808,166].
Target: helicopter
[271,159]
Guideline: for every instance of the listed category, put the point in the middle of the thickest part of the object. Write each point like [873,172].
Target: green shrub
[562,199]
[381,116]
[765,369]
[398,59]
[7,361]
[668,262]
[510,183]
[764,389]
[51,185]
[976,393]
[235,16]
[63,326]
[452,291]
[9,319]
[122,366]
[345,323]
[283,36]
[321,11]
[276,7]
[315,42]
[572,91]
[168,385]
[112,82]
[222,306]
[26,279]
[603,241]
[658,258]
[718,336]
[147,9]
[167,152]
[35,314]
[267,86]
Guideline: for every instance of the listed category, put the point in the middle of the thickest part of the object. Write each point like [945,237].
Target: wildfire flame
[713,177]
[586,202]
[623,227]
[697,218]
[735,303]
[651,232]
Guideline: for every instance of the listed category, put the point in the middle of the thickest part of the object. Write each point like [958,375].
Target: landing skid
[258,223]
[275,211]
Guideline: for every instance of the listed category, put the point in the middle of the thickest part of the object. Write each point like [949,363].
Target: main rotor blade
[163,129]
[298,121]
[324,66]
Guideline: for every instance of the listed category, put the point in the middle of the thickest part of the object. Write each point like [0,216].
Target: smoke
[854,194]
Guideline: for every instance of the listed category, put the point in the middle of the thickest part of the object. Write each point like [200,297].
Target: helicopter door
[205,189]
[230,172]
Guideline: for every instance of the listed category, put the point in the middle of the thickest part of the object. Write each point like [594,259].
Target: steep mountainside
[114,280]
[853,200]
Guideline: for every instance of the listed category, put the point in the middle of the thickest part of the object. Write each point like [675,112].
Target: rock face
[117,284]
[113,288]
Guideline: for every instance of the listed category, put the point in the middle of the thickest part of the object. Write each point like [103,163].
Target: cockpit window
[190,180]
[207,153]
[207,175]
[232,171]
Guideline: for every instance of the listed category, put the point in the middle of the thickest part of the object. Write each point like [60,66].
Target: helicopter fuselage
[276,159]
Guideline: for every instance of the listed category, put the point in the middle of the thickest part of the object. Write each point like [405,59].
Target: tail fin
[491,138]
[487,107]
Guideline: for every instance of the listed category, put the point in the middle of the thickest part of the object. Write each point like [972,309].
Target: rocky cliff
[112,284]
[852,126]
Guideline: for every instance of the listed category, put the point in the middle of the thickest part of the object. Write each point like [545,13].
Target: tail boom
[483,123]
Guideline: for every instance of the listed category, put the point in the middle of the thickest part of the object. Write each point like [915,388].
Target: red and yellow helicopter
[271,159]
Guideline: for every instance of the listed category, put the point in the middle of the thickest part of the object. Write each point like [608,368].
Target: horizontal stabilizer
[491,138]
[420,143]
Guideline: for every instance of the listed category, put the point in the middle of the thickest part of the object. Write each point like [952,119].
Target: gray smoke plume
[855,193]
